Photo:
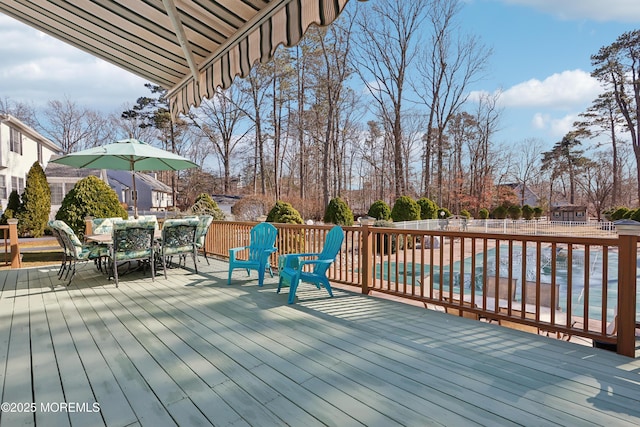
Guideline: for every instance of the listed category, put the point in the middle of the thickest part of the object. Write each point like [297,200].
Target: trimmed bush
[283,212]
[13,207]
[89,197]
[537,212]
[428,208]
[205,205]
[405,209]
[514,211]
[499,212]
[465,214]
[527,212]
[619,213]
[36,203]
[483,213]
[338,212]
[636,215]
[291,240]
[380,210]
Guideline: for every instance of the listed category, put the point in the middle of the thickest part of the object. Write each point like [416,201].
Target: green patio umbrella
[127,154]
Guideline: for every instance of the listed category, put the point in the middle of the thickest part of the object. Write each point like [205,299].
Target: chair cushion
[178,235]
[103,225]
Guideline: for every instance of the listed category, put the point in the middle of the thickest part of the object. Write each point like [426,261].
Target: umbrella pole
[135,195]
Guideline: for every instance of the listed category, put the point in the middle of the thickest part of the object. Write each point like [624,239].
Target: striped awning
[189,47]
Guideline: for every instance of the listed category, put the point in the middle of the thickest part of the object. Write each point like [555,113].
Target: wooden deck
[191,350]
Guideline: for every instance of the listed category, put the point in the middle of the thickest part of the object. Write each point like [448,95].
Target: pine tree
[36,203]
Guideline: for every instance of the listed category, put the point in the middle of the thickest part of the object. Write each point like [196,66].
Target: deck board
[192,350]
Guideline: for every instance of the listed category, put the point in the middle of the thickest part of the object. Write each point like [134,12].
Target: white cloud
[553,126]
[564,91]
[37,68]
[597,10]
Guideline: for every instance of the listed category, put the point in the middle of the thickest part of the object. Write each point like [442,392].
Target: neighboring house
[568,212]
[153,194]
[530,197]
[20,147]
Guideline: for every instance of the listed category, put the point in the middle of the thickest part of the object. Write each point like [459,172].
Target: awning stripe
[216,40]
[286,26]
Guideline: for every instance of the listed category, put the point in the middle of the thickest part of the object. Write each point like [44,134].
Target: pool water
[408,272]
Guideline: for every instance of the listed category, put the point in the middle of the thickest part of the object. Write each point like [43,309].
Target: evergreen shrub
[527,212]
[36,203]
[499,212]
[293,239]
[514,211]
[91,196]
[483,213]
[380,210]
[619,213]
[205,205]
[13,207]
[537,212]
[338,212]
[283,212]
[428,208]
[405,209]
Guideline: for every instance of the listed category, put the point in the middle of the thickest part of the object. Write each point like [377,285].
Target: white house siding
[15,164]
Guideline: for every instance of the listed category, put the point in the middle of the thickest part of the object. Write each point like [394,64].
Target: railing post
[16,259]
[365,254]
[88,225]
[628,231]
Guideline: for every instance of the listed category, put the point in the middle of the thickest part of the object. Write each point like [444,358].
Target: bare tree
[220,121]
[448,65]
[73,127]
[23,112]
[596,181]
[525,165]
[482,165]
[256,85]
[387,45]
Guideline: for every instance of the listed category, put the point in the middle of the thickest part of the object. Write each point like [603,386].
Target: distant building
[530,197]
[153,195]
[20,147]
[569,212]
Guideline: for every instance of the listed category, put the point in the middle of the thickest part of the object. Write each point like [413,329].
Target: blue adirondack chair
[261,246]
[291,266]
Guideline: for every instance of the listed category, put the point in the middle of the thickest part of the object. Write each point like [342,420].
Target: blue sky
[541,58]
[541,62]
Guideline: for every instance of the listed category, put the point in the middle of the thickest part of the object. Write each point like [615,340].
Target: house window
[17,184]
[15,141]
[57,193]
[3,187]
[579,214]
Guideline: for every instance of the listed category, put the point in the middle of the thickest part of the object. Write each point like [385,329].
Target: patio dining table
[107,239]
